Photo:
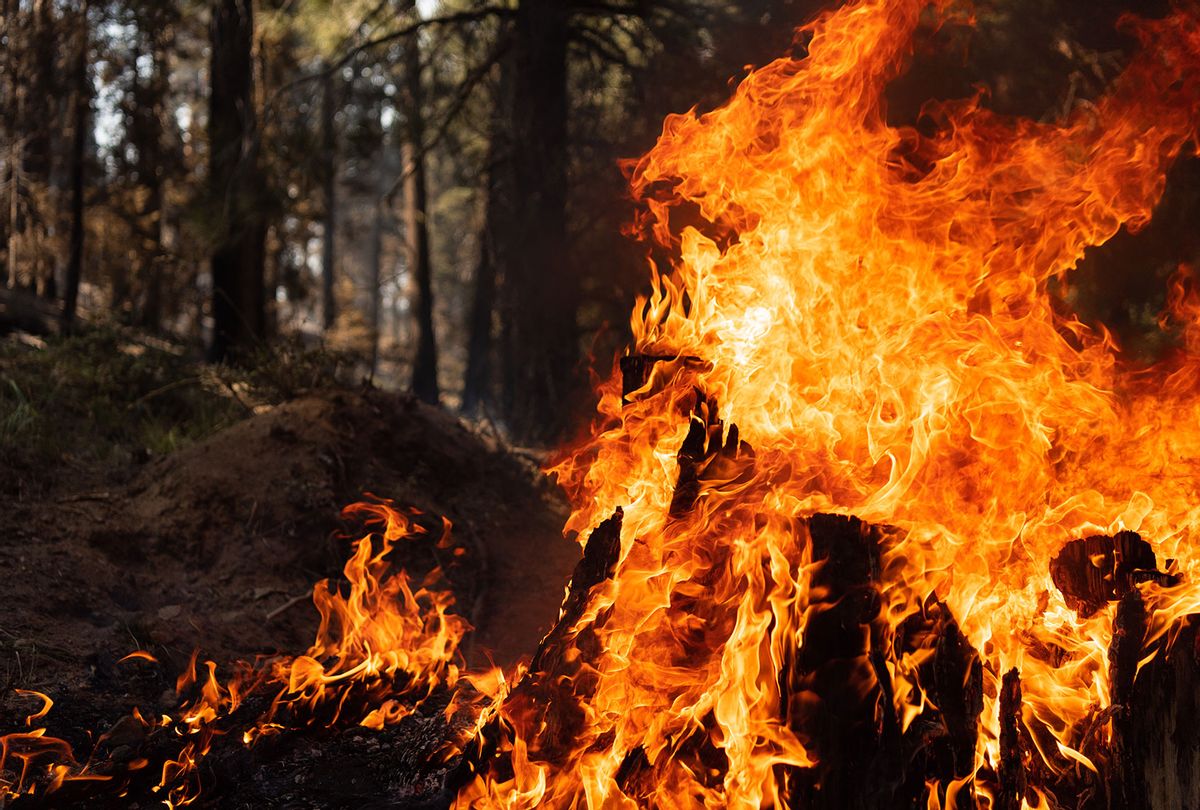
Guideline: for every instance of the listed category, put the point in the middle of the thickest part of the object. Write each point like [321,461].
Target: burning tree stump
[844,692]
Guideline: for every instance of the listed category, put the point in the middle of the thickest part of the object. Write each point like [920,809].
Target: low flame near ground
[380,649]
[878,311]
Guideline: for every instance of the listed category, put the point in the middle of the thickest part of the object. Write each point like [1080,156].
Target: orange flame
[872,307]
[381,649]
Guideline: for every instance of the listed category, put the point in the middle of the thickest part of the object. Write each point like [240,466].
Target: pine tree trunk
[7,127]
[239,310]
[329,202]
[541,289]
[83,90]
[14,73]
[424,375]
[374,261]
[150,173]
[497,219]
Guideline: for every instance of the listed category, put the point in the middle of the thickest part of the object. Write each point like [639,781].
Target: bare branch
[455,107]
[457,18]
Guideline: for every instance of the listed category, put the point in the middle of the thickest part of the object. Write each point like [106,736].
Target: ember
[859,509]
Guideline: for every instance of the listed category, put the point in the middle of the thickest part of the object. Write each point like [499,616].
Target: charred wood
[1094,571]
[957,691]
[708,452]
[1011,770]
[600,556]
[1164,734]
[636,370]
[831,687]
[546,707]
[1125,789]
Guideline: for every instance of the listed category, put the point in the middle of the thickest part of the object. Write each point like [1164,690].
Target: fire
[380,651]
[872,306]
[859,327]
[382,648]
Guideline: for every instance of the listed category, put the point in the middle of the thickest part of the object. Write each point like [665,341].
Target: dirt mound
[217,546]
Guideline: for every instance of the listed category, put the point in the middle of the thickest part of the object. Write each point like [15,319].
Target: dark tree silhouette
[82,104]
[424,375]
[328,199]
[238,308]
[541,288]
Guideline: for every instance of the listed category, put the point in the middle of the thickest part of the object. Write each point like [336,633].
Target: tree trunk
[238,300]
[424,375]
[497,221]
[541,291]
[8,176]
[42,91]
[83,94]
[329,201]
[150,99]
[374,261]
[477,379]
[14,74]
[11,249]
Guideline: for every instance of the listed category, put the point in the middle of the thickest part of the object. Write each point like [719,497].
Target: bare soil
[217,546]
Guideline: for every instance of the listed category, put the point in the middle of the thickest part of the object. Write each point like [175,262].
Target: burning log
[1125,789]
[1094,571]
[957,691]
[831,685]
[708,451]
[637,368]
[545,707]
[600,556]
[1010,793]
[1162,735]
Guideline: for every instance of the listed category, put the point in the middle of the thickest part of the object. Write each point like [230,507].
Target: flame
[28,756]
[874,308]
[381,649]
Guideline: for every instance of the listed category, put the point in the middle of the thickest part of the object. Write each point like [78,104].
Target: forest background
[426,194]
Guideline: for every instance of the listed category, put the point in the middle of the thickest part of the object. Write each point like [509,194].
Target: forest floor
[119,533]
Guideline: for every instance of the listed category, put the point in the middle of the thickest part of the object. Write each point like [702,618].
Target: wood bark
[497,222]
[1011,773]
[329,203]
[81,105]
[541,288]
[238,298]
[416,211]
[1125,784]
[1162,730]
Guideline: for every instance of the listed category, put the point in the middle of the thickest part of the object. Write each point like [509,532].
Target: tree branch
[457,18]
[464,94]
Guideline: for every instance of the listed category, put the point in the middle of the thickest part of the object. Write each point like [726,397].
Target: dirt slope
[215,547]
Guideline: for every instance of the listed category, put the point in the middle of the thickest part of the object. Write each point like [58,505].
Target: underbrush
[111,395]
